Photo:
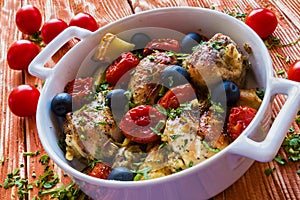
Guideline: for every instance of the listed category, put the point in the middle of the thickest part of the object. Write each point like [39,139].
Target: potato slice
[248,97]
[111,47]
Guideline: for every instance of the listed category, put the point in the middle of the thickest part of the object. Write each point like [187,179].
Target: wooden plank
[12,127]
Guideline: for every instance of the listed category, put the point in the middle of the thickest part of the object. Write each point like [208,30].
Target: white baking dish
[205,179]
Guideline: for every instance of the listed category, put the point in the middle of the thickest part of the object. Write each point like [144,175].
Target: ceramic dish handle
[36,67]
[267,149]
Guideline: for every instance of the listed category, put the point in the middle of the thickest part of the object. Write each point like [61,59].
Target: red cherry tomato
[84,20]
[100,170]
[262,21]
[21,53]
[164,44]
[177,95]
[124,63]
[80,90]
[142,124]
[23,100]
[294,71]
[52,28]
[239,118]
[28,19]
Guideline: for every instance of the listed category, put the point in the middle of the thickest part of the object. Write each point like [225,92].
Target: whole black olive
[174,75]
[189,41]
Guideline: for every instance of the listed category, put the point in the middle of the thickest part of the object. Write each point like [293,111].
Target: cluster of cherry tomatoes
[23,99]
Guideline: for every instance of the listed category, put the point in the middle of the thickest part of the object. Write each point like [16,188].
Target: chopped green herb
[287,59]
[280,72]
[162,145]
[280,160]
[151,57]
[279,55]
[44,159]
[206,145]
[174,137]
[272,41]
[96,124]
[173,113]
[14,179]
[291,145]
[31,153]
[291,130]
[260,93]
[191,164]
[269,171]
[161,109]
[142,173]
[216,45]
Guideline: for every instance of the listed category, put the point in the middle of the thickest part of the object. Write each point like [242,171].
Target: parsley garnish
[280,72]
[142,173]
[272,41]
[206,145]
[269,171]
[216,45]
[291,146]
[31,153]
[280,160]
[174,137]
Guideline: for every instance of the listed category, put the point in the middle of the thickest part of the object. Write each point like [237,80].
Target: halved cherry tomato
[84,20]
[164,44]
[239,118]
[177,95]
[142,124]
[23,100]
[52,28]
[263,21]
[21,53]
[28,19]
[124,63]
[80,90]
[294,71]
[100,170]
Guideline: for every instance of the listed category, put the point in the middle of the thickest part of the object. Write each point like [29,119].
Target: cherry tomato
[84,20]
[21,53]
[142,124]
[125,62]
[263,21]
[28,19]
[23,100]
[100,170]
[164,44]
[294,71]
[80,90]
[52,28]
[177,95]
[239,118]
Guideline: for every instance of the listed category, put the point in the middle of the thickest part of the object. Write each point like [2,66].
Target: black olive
[232,93]
[189,41]
[118,102]
[61,104]
[121,174]
[140,40]
[174,75]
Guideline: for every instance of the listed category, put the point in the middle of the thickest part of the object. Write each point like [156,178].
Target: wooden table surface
[18,135]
